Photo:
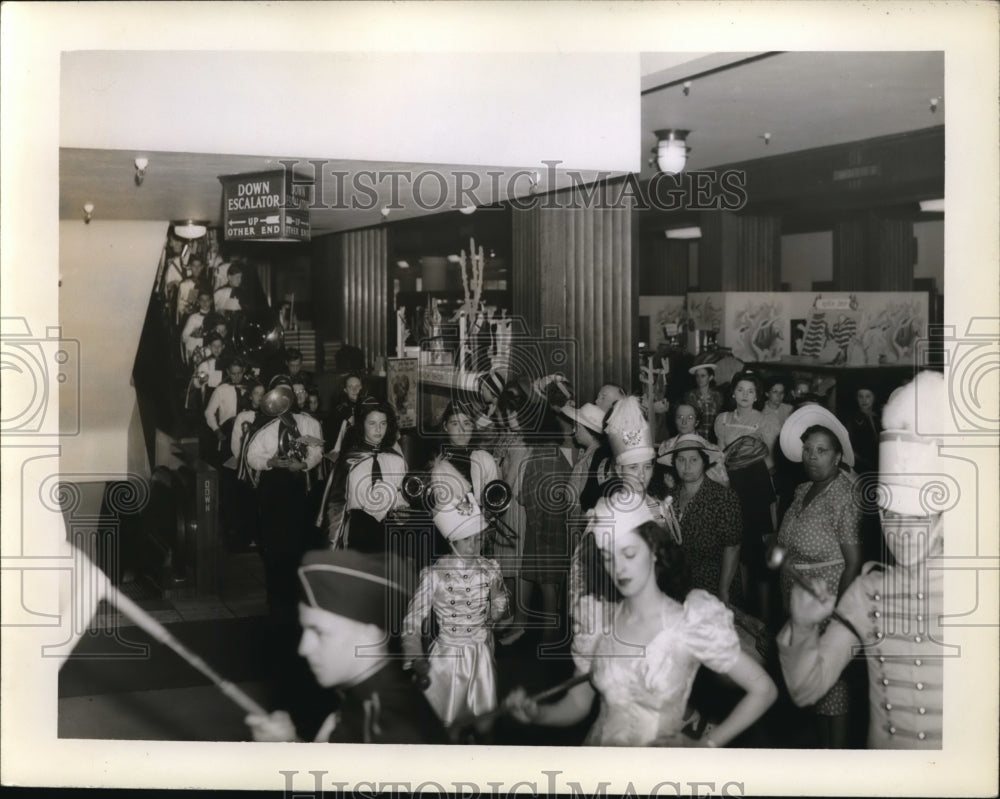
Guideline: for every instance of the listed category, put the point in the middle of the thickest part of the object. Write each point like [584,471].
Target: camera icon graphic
[972,366]
[41,381]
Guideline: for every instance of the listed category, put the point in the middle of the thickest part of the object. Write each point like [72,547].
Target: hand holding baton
[467,721]
[776,562]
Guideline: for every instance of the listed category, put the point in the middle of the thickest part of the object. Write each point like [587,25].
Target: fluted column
[364,256]
[873,253]
[739,252]
[573,270]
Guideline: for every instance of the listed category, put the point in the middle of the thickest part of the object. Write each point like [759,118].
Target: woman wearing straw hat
[589,435]
[709,516]
[642,636]
[705,398]
[820,532]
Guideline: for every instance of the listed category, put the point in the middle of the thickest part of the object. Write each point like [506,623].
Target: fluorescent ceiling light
[684,233]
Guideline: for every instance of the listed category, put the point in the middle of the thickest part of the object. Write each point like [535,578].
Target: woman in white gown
[642,637]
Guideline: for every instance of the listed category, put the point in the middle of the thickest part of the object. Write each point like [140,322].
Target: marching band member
[367,480]
[347,603]
[896,611]
[282,451]
[465,593]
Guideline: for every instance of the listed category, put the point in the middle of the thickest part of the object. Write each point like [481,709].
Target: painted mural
[840,329]
[667,317]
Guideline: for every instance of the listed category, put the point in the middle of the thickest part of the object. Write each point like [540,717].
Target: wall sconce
[384,210]
[189,229]
[468,209]
[687,88]
[140,170]
[88,212]
[932,206]
[683,233]
[934,104]
[671,149]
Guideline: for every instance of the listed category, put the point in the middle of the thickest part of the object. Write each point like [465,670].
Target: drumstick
[160,633]
[541,696]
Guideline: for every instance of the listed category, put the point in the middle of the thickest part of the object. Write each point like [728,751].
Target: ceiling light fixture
[671,149]
[683,233]
[932,206]
[88,212]
[189,229]
[140,170]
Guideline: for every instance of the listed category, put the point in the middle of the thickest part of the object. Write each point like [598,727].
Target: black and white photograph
[379,377]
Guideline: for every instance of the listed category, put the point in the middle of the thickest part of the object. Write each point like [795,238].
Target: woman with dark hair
[864,430]
[705,398]
[367,481]
[748,437]
[474,464]
[820,531]
[709,517]
[642,636]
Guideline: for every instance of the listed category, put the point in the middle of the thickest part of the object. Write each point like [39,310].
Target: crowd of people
[532,514]
[567,527]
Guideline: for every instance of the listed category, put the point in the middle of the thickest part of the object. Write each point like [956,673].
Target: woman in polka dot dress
[820,533]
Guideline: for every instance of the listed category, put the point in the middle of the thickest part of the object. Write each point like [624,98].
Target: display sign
[266,206]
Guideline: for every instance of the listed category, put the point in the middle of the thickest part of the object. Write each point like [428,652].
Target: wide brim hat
[688,441]
[804,418]
[371,588]
[588,415]
[629,434]
[613,516]
[707,365]
[916,418]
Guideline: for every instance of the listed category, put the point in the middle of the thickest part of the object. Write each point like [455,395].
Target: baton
[775,561]
[548,693]
[160,633]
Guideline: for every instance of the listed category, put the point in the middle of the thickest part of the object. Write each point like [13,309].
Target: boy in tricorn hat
[351,604]
[896,612]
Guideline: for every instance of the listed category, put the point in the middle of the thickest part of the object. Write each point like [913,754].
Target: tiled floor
[242,595]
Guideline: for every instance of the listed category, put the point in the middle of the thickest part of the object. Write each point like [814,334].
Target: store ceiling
[803,100]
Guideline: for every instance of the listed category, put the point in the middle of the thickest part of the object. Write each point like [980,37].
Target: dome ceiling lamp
[189,229]
[671,149]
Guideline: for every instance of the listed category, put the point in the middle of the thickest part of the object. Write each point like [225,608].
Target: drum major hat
[915,420]
[629,434]
[617,515]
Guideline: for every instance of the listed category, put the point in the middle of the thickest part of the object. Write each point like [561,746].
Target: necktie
[376,469]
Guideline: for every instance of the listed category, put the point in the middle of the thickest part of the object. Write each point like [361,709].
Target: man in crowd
[351,609]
